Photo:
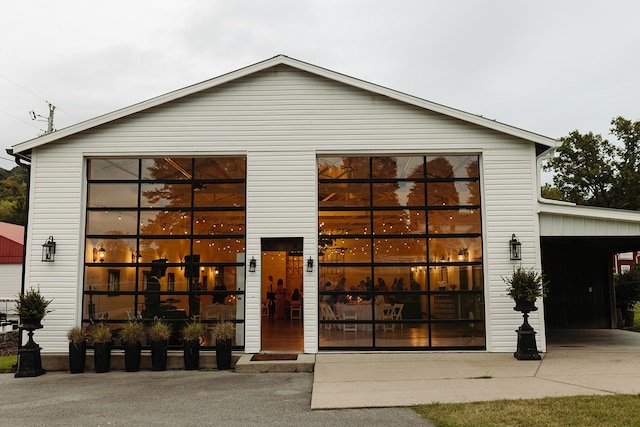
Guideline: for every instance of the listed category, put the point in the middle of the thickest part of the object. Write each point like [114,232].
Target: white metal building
[304,171]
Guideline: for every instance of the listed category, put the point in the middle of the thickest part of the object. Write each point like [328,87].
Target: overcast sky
[547,66]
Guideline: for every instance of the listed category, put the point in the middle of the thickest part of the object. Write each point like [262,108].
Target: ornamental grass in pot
[101,337]
[192,334]
[224,332]
[159,333]
[131,337]
[77,337]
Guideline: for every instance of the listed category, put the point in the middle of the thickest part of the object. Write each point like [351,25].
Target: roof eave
[285,60]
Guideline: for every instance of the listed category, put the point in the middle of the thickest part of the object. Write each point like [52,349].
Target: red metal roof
[11,243]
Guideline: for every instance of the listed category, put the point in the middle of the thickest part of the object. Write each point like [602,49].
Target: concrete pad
[597,363]
[371,394]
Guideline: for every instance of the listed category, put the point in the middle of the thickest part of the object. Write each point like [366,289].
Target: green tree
[13,193]
[627,189]
[584,169]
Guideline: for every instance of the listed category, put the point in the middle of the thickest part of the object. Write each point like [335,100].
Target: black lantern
[514,246]
[310,265]
[252,265]
[49,250]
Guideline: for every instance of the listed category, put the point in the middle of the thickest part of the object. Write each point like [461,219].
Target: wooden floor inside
[282,335]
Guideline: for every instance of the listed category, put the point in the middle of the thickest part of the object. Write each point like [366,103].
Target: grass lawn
[7,362]
[618,410]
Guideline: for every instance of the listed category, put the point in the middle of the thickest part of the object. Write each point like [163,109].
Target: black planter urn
[191,355]
[159,355]
[29,359]
[527,348]
[102,356]
[132,356]
[77,357]
[223,354]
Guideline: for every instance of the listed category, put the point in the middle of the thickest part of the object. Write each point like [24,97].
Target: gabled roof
[12,232]
[284,60]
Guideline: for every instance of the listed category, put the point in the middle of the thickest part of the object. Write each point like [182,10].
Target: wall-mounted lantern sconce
[49,250]
[135,256]
[252,265]
[100,251]
[514,246]
[310,265]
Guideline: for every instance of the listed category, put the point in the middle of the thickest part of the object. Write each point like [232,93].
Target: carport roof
[568,220]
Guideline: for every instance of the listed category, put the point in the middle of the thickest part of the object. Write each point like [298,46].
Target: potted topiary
[131,336]
[31,306]
[525,286]
[159,333]
[192,334]
[101,336]
[77,336]
[224,332]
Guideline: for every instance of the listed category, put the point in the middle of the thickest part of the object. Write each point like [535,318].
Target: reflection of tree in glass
[473,171]
[441,193]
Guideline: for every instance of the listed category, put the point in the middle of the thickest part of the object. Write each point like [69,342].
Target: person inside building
[281,301]
[219,291]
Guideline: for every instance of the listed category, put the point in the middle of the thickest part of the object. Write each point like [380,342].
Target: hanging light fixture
[102,252]
[49,250]
[515,248]
[310,265]
[252,265]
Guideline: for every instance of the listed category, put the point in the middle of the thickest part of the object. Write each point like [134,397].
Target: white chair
[327,314]
[295,311]
[349,314]
[265,309]
[387,315]
[397,313]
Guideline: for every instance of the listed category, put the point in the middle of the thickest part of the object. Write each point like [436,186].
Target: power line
[22,87]
[23,121]
[36,95]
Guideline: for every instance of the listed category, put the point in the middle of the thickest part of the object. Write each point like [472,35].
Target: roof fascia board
[285,60]
[589,212]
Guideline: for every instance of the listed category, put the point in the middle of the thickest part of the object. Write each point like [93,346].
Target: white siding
[10,283]
[280,118]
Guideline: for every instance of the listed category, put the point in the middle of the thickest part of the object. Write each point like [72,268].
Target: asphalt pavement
[178,398]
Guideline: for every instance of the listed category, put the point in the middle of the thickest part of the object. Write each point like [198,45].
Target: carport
[577,246]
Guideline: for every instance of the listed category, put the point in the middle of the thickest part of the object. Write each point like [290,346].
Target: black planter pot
[77,357]
[159,355]
[132,354]
[191,355]
[102,356]
[525,306]
[31,323]
[223,354]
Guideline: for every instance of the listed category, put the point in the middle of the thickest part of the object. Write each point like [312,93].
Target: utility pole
[50,128]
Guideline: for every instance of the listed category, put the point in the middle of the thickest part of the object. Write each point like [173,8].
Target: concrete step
[303,363]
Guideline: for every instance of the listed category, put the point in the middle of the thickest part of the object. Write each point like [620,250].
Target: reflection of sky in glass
[465,196]
[122,195]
